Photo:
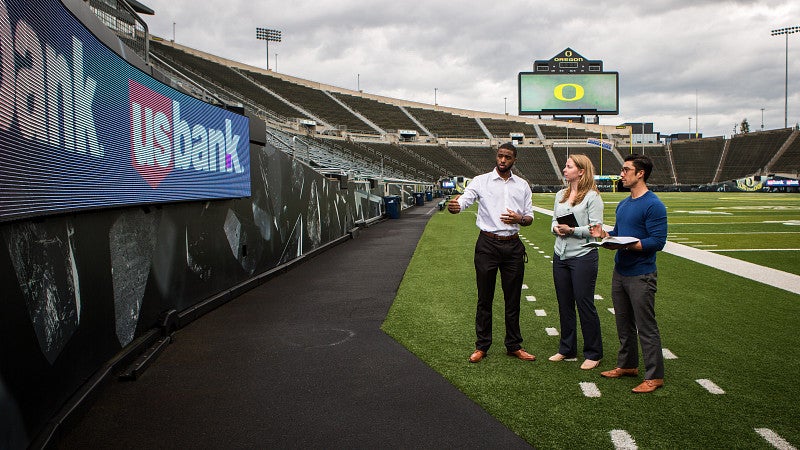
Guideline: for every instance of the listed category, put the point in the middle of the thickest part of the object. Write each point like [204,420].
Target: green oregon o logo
[558,92]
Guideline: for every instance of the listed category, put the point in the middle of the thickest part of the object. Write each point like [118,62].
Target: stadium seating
[748,154]
[328,157]
[427,170]
[451,164]
[480,157]
[690,162]
[662,167]
[610,164]
[388,117]
[502,129]
[216,77]
[696,160]
[314,101]
[566,132]
[445,125]
[534,165]
[789,162]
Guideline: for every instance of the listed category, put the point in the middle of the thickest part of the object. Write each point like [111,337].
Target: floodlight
[778,32]
[267,35]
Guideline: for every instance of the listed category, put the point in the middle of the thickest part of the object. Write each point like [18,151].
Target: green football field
[731,343]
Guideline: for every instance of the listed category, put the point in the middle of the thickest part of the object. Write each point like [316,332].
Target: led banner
[568,93]
[605,145]
[82,128]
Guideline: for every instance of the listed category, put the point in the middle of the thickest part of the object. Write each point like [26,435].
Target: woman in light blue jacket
[575,267]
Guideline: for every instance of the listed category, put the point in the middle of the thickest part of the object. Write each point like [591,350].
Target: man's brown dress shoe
[477,356]
[648,386]
[619,372]
[523,355]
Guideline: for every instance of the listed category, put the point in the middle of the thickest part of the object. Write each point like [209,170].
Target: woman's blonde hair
[586,183]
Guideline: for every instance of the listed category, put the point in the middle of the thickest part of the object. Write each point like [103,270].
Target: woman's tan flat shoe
[589,364]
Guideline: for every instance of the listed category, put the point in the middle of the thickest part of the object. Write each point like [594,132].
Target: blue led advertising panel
[568,93]
[82,128]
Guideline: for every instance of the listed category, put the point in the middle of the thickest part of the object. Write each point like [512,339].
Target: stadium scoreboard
[568,84]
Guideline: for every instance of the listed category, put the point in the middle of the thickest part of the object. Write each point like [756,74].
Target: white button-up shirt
[495,195]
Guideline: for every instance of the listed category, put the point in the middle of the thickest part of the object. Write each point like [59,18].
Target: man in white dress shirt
[504,205]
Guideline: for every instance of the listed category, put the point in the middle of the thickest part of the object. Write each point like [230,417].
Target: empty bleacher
[388,117]
[482,157]
[696,160]
[428,170]
[443,157]
[749,153]
[314,101]
[384,156]
[789,161]
[327,157]
[565,132]
[502,129]
[446,125]
[662,167]
[223,77]
[609,164]
[535,164]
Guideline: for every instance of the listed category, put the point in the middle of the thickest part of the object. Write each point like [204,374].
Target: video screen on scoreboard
[568,93]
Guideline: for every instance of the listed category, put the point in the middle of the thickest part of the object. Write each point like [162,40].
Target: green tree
[744,127]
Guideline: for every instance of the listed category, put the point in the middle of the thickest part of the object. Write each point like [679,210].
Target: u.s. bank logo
[162,140]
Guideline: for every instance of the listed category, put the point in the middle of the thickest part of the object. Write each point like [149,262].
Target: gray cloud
[675,58]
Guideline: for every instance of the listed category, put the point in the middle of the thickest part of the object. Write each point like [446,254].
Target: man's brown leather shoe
[648,386]
[619,372]
[477,356]
[523,355]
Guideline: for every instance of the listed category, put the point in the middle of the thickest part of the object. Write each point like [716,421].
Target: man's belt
[499,237]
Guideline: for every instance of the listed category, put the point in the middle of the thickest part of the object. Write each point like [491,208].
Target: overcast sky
[713,61]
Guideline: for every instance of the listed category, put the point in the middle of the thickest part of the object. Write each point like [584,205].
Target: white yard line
[774,439]
[757,250]
[622,440]
[590,389]
[710,386]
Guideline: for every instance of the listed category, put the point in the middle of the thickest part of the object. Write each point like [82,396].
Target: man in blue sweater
[633,285]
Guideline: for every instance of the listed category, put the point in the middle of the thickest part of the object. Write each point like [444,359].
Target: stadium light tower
[265,34]
[786,32]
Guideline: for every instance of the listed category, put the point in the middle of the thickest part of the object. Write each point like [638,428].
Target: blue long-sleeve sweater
[644,218]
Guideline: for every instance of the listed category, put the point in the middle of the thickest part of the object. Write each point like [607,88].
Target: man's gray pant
[634,301]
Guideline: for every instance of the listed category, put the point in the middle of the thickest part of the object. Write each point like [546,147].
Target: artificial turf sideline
[720,327]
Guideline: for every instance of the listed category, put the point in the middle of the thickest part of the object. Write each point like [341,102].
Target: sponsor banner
[602,144]
[82,128]
[749,184]
[784,182]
